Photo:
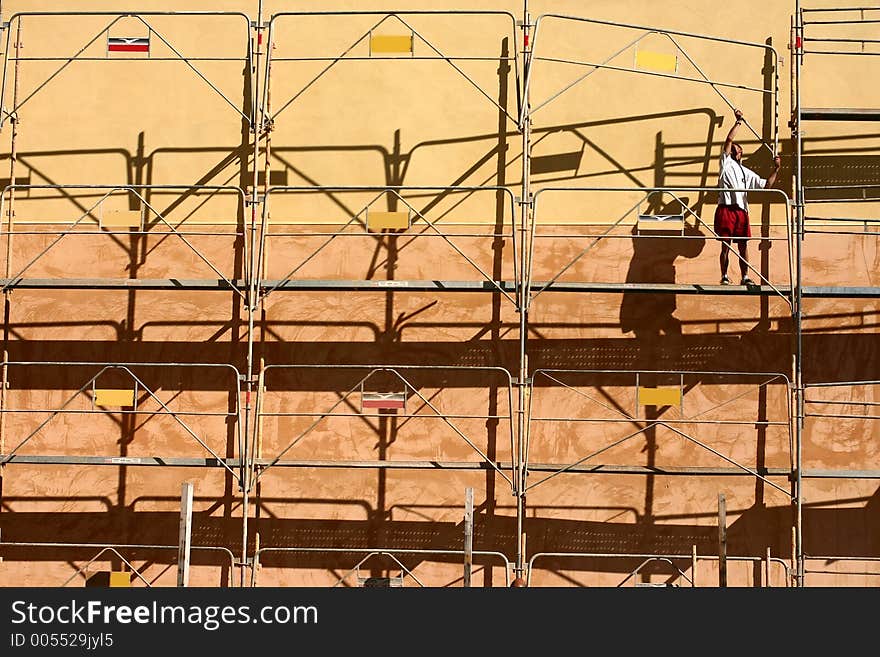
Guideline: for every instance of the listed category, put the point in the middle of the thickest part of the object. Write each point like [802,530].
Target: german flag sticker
[128,44]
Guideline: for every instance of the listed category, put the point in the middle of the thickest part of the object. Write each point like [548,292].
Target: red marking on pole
[798,43]
[247,397]
[260,38]
[526,40]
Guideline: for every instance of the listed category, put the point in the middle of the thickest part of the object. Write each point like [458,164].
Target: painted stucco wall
[419,120]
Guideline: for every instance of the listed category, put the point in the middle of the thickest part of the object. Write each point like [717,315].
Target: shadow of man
[649,315]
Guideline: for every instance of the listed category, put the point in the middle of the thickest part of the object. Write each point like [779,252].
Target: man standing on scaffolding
[732,213]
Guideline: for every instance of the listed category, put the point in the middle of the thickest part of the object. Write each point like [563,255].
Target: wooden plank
[659,396]
[185,542]
[114,397]
[391,43]
[656,61]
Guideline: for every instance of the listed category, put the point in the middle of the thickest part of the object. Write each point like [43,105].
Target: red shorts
[732,221]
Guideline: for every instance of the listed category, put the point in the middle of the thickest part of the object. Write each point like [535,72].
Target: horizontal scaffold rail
[816,292]
[121,284]
[837,565]
[289,553]
[647,559]
[174,462]
[182,462]
[839,114]
[120,461]
[111,551]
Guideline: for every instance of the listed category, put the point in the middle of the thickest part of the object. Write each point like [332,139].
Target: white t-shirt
[733,175]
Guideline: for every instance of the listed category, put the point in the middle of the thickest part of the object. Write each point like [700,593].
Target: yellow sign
[120,580]
[391,220]
[111,397]
[387,43]
[656,61]
[121,218]
[659,396]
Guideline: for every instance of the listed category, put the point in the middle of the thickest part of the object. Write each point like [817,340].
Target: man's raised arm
[728,143]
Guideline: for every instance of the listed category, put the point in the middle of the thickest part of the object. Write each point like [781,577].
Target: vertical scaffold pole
[722,541]
[185,538]
[522,300]
[265,128]
[10,218]
[251,298]
[468,536]
[797,52]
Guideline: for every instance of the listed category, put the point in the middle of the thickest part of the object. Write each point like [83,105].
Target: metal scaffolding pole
[468,536]
[7,301]
[800,114]
[185,540]
[526,238]
[256,130]
[797,55]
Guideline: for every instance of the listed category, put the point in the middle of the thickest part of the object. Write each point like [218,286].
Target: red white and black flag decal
[383,400]
[128,44]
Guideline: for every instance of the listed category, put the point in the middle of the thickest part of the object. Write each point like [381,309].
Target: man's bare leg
[743,246]
[724,257]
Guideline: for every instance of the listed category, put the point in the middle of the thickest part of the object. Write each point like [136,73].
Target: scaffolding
[243,254]
[823,35]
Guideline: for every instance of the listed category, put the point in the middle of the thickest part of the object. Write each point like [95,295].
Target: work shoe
[725,280]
